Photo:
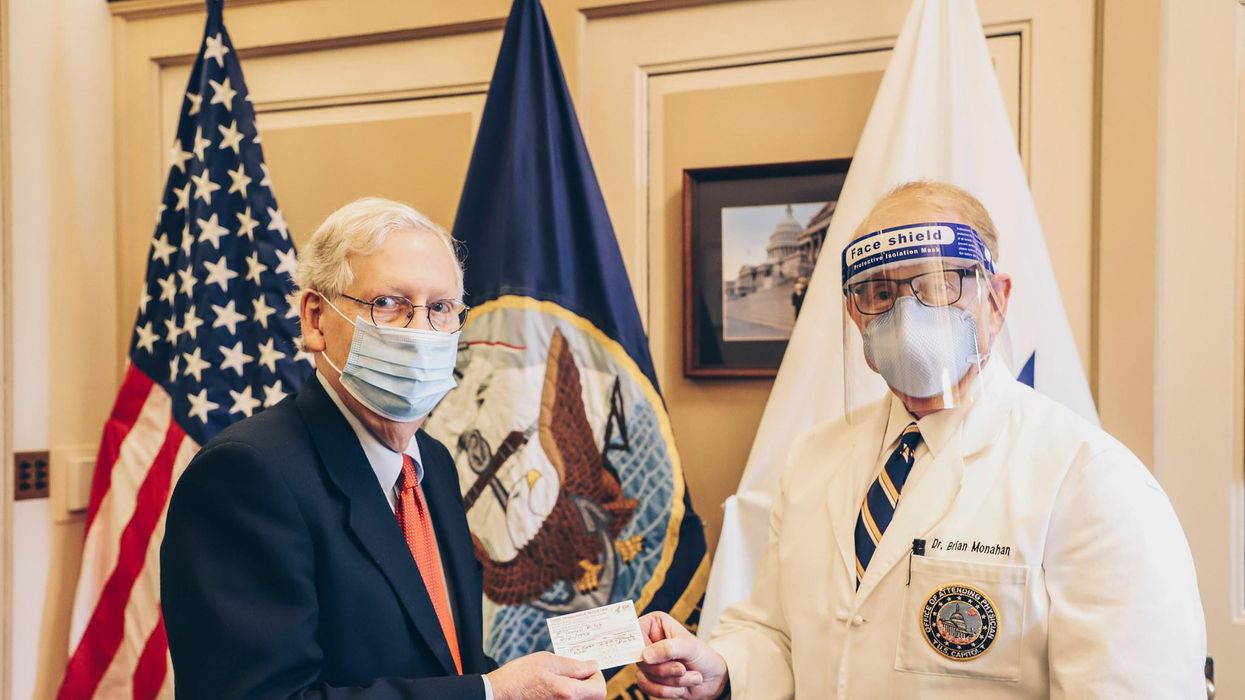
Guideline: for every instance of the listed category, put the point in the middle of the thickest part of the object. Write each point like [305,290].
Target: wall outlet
[31,478]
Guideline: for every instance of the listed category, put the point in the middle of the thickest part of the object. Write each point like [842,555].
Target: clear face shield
[921,315]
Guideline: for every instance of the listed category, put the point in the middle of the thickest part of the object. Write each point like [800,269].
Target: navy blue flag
[213,343]
[572,483]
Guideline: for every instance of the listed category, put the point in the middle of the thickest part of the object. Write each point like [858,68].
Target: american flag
[213,343]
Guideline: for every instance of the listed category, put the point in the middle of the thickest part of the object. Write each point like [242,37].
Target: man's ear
[1001,292]
[311,310]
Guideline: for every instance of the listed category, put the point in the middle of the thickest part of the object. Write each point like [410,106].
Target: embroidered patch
[959,622]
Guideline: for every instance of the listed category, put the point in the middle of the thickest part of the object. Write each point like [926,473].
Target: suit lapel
[368,513]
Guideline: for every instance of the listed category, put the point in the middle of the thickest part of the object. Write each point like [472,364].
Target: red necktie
[412,513]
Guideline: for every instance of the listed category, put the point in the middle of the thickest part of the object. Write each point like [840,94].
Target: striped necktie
[883,496]
[412,513]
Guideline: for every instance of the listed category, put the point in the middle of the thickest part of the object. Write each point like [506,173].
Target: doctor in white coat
[962,537]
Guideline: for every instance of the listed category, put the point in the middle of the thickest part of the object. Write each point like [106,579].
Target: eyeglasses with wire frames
[444,315]
[937,288]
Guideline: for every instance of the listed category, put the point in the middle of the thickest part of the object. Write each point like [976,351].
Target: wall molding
[345,42]
[371,98]
[145,9]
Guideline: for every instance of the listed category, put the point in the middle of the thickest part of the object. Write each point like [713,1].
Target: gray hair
[359,228]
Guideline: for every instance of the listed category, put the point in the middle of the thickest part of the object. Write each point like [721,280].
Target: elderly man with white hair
[319,549]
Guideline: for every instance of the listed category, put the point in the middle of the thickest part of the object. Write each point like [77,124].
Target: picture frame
[751,236]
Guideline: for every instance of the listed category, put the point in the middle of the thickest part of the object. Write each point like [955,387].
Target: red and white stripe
[117,636]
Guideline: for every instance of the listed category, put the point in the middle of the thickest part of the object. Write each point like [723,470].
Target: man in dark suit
[320,549]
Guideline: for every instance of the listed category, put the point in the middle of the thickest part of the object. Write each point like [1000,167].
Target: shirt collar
[386,463]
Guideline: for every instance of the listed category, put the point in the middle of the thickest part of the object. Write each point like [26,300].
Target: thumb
[676,649]
[572,668]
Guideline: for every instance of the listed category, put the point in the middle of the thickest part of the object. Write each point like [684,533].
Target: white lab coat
[1095,597]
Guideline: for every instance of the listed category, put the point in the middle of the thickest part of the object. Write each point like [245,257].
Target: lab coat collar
[938,429]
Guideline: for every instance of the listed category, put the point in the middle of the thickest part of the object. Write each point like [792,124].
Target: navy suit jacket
[285,575]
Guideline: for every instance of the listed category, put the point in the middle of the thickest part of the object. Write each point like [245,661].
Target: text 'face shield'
[921,314]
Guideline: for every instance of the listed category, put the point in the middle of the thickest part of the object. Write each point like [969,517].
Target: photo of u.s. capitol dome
[768,253]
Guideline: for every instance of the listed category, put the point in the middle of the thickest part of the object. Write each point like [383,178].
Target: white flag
[938,115]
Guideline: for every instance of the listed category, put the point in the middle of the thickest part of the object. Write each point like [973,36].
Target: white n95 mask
[922,351]
[398,373]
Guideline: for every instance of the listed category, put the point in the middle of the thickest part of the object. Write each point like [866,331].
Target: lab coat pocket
[963,618]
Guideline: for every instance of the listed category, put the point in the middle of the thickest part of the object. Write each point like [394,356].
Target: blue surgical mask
[922,351]
[399,373]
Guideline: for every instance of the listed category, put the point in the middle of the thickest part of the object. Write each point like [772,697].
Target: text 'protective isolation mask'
[399,373]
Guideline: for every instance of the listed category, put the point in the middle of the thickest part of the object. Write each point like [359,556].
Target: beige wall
[799,111]
[65,348]
[390,88]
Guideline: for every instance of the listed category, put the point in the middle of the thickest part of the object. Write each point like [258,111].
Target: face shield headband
[910,242]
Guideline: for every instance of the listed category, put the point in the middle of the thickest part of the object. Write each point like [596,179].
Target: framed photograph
[751,235]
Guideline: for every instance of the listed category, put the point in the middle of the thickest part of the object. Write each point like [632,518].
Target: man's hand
[543,675]
[676,663]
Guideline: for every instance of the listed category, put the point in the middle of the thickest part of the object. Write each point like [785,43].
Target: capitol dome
[785,236]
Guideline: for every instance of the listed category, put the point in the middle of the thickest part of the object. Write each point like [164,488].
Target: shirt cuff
[488,688]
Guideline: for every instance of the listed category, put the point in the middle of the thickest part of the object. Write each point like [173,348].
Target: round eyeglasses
[938,288]
[444,315]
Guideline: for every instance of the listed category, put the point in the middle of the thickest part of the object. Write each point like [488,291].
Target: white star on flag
[273,394]
[216,49]
[219,273]
[172,332]
[254,268]
[228,317]
[246,225]
[187,239]
[178,157]
[240,180]
[276,222]
[211,231]
[144,299]
[173,368]
[235,358]
[222,93]
[243,402]
[191,323]
[146,337]
[183,197]
[267,181]
[200,405]
[269,354]
[195,364]
[204,187]
[261,311]
[289,261]
[188,281]
[161,250]
[168,288]
[196,103]
[200,143]
[230,137]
